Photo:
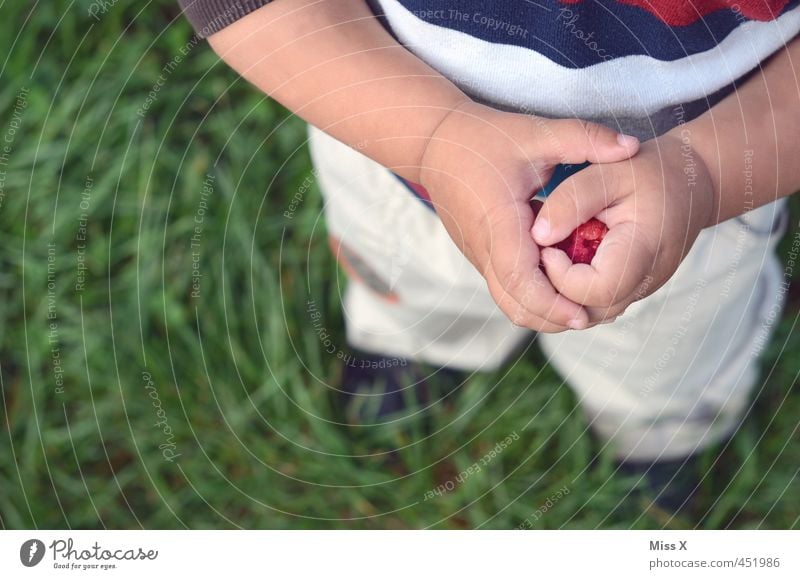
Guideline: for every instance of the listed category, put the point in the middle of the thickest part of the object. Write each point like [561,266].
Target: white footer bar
[401,554]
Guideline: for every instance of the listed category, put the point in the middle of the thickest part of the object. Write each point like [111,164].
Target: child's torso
[622,61]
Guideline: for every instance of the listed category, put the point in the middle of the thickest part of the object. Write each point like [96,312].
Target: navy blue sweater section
[583,34]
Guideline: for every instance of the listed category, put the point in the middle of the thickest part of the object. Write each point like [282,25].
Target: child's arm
[333,64]
[741,154]
[755,128]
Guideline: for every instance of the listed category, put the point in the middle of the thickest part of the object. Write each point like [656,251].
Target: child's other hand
[481,168]
[654,204]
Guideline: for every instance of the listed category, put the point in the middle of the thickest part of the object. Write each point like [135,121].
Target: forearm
[750,141]
[333,64]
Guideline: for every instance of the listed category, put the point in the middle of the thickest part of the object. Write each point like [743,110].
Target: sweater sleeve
[210,16]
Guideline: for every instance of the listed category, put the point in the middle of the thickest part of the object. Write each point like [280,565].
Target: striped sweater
[640,66]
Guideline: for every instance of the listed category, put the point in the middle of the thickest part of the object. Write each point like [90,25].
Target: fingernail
[576,324]
[541,229]
[627,141]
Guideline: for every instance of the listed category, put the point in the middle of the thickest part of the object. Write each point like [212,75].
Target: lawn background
[238,371]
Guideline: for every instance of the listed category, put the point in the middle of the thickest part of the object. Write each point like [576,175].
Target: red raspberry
[582,244]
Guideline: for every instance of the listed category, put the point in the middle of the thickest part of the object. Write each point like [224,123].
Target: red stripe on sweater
[420,191]
[679,13]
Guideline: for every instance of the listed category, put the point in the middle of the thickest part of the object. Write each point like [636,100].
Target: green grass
[238,371]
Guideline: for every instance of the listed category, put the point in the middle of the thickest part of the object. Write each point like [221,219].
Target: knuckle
[517,314]
[593,131]
[610,183]
[519,318]
[514,311]
[514,283]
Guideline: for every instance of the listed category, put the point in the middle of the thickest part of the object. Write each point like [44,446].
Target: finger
[513,259]
[599,316]
[621,264]
[576,141]
[575,201]
[606,315]
[516,313]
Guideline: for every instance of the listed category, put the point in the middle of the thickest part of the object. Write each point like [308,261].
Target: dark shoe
[375,388]
[671,485]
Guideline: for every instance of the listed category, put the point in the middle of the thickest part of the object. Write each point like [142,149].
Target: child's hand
[654,204]
[481,168]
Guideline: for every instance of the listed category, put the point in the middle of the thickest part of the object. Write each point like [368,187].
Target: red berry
[582,244]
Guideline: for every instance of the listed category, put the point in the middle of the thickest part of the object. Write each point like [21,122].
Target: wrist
[429,163]
[702,170]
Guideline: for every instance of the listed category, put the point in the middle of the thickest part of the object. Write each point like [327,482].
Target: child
[437,120]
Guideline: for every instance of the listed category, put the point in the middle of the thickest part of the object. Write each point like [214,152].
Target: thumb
[575,201]
[576,141]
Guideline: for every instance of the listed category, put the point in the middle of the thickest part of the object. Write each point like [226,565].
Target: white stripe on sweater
[634,86]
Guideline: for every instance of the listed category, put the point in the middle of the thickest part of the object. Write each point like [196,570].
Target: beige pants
[671,376]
